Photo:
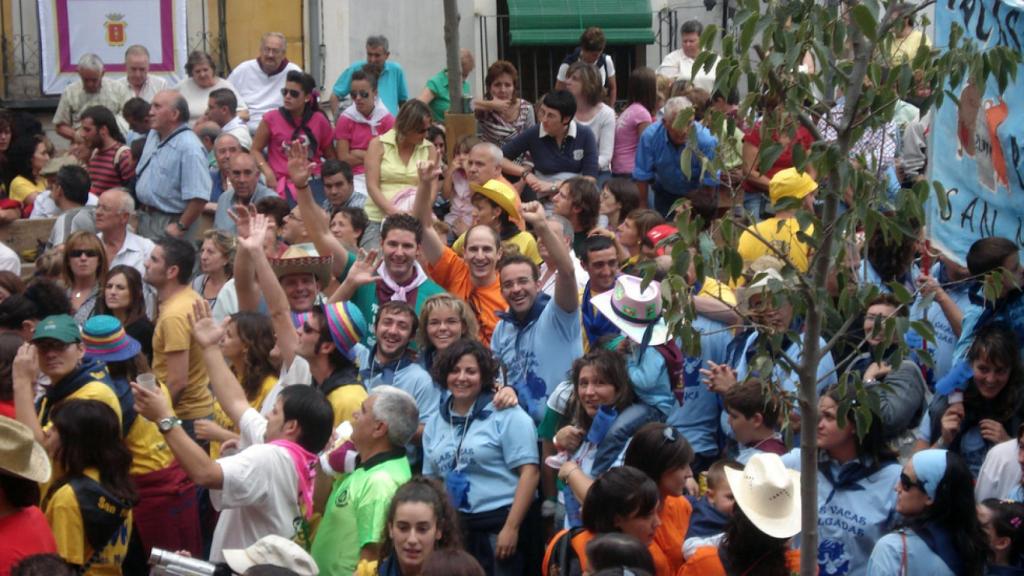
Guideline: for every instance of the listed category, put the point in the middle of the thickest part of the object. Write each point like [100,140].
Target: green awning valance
[544,22]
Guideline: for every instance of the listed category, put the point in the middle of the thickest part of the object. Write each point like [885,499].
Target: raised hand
[207,332]
[428,170]
[533,213]
[242,219]
[299,167]
[364,269]
[258,227]
[26,365]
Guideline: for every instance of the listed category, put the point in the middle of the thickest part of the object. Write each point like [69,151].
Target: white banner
[71,28]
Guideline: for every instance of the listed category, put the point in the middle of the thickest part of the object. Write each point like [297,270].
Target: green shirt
[357,511]
[365,298]
[438,85]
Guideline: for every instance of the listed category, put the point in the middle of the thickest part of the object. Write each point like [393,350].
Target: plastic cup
[147,380]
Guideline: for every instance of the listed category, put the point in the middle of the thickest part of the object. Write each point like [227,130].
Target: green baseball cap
[58,327]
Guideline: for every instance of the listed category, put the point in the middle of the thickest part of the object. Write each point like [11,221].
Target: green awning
[544,22]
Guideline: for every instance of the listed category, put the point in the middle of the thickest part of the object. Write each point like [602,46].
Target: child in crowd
[753,408]
[456,188]
[711,511]
[1003,524]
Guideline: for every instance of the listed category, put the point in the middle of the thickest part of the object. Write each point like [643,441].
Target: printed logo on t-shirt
[832,558]
[577,155]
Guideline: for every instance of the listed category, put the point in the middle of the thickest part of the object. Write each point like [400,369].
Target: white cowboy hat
[634,311]
[20,454]
[274,550]
[768,493]
[762,285]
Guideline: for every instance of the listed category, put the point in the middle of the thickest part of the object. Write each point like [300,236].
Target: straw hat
[20,454]
[634,311]
[768,493]
[303,259]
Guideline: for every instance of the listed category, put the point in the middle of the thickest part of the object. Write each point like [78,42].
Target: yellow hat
[790,183]
[503,195]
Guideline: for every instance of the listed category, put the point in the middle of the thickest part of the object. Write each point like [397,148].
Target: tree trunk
[451,44]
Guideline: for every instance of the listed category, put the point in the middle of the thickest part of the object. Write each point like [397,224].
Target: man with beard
[259,81]
[472,277]
[111,163]
[177,356]
[538,338]
[390,362]
[366,282]
[391,86]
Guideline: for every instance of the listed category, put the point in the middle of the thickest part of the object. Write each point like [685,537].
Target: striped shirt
[104,174]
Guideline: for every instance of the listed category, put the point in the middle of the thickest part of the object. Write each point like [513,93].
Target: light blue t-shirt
[405,374]
[651,384]
[173,171]
[887,557]
[973,447]
[493,447]
[945,339]
[851,517]
[390,84]
[786,380]
[222,220]
[698,418]
[540,354]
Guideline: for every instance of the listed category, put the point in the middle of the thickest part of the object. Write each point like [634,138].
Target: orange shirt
[705,562]
[452,274]
[667,547]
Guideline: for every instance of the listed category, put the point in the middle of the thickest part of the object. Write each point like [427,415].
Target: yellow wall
[248,20]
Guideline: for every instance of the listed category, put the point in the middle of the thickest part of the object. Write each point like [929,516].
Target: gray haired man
[88,90]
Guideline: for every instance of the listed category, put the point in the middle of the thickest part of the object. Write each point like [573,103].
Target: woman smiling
[487,458]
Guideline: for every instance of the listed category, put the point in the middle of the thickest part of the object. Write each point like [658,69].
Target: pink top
[627,138]
[359,134]
[281,132]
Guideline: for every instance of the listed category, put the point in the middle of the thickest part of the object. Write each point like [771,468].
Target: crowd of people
[385,358]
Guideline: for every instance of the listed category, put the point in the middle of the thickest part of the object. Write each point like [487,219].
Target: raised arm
[314,216]
[245,281]
[433,246]
[277,301]
[23,373]
[208,333]
[566,295]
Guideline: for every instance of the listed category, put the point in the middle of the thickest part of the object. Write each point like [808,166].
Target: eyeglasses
[359,94]
[906,483]
[78,253]
[291,92]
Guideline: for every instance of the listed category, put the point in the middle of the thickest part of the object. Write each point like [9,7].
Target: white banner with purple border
[69,29]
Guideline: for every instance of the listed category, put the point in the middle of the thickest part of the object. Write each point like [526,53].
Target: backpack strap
[117,160]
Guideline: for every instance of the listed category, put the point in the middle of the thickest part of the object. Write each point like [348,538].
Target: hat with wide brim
[761,285]
[634,311]
[20,454]
[503,195]
[768,493]
[300,259]
[273,550]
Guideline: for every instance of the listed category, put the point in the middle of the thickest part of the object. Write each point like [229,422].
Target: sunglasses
[359,94]
[78,253]
[906,483]
[291,92]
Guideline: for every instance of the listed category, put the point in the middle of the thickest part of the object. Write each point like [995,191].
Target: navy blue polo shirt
[577,155]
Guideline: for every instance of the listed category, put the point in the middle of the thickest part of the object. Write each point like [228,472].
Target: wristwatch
[165,425]
[181,226]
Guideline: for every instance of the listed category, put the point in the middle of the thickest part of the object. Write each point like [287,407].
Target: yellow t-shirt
[22,188]
[396,176]
[784,240]
[524,243]
[65,518]
[173,333]
[150,452]
[222,419]
[346,400]
[715,289]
